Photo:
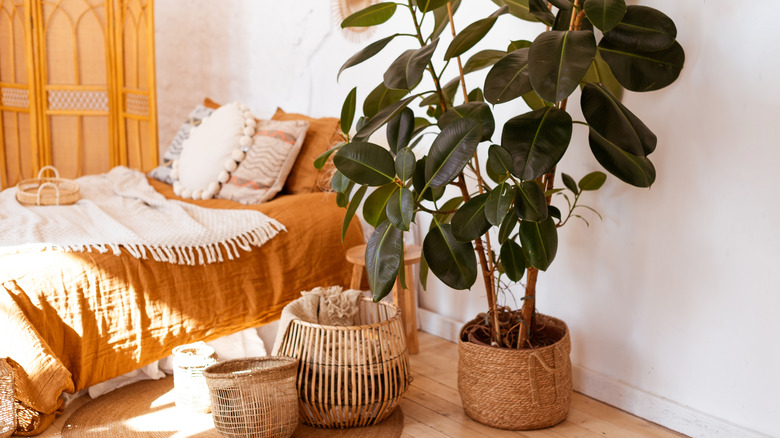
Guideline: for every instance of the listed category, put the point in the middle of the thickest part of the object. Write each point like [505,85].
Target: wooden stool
[403,298]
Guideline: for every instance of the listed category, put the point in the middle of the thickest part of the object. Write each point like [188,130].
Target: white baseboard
[614,392]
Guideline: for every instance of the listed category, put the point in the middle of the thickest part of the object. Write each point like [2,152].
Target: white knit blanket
[119,209]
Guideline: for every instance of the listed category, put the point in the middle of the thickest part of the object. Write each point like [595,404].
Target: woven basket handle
[558,367]
[54,171]
[48,184]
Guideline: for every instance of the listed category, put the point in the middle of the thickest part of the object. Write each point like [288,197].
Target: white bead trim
[237,156]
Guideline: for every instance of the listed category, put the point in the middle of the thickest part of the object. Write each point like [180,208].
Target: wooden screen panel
[74,37]
[138,124]
[18,150]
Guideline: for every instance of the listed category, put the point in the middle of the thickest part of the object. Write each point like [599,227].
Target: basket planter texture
[350,376]
[517,389]
[254,397]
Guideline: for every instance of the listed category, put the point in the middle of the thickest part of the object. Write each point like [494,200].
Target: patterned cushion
[163,172]
[323,133]
[267,164]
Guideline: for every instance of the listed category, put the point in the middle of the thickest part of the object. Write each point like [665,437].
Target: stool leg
[405,299]
[357,277]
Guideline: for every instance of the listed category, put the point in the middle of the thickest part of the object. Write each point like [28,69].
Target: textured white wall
[675,292]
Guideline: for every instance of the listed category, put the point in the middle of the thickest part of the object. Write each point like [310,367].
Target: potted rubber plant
[497,221]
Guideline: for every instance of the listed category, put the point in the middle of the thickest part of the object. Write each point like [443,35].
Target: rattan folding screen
[77,86]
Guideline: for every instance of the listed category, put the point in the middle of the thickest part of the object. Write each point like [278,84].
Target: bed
[70,320]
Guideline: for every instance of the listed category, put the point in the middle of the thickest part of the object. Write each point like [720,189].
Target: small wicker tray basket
[350,376]
[254,397]
[47,190]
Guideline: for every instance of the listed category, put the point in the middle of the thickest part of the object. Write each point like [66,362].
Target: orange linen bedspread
[71,320]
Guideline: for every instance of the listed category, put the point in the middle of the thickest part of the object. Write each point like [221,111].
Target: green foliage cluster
[598,46]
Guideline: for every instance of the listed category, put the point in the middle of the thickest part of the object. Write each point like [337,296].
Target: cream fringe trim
[189,255]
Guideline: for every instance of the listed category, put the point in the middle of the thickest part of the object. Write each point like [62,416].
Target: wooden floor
[432,407]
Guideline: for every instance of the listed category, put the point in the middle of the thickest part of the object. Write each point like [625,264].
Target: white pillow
[212,151]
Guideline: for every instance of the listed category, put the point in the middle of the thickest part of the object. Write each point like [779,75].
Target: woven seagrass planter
[516,389]
[350,376]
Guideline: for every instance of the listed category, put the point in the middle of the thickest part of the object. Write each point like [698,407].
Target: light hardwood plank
[433,409]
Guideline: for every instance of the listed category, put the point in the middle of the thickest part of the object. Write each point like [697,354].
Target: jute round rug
[147,410]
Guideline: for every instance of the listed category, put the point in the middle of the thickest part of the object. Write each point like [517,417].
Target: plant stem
[487,273]
[460,65]
[529,303]
[442,101]
[486,263]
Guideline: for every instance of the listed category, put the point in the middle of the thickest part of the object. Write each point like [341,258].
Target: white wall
[672,299]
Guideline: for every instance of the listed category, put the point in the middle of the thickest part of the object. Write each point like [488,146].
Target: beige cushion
[267,164]
[212,152]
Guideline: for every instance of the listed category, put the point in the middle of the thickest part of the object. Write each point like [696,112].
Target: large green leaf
[418,180]
[558,60]
[540,10]
[375,205]
[530,203]
[537,140]
[540,241]
[453,262]
[508,79]
[508,225]
[339,182]
[468,37]
[351,209]
[366,53]
[469,222]
[613,121]
[562,4]
[499,202]
[384,251]
[429,5]
[599,71]
[441,19]
[643,29]
[499,163]
[633,169]
[400,129]
[482,59]
[405,162]
[643,71]
[348,111]
[446,211]
[383,116]
[518,8]
[513,260]
[407,70]
[365,163]
[370,16]
[604,14]
[479,111]
[400,209]
[451,150]
[380,98]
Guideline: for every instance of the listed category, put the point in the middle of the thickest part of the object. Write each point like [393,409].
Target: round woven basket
[517,389]
[7,400]
[254,397]
[47,191]
[350,376]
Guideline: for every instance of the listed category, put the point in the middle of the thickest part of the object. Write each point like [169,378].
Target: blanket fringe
[228,249]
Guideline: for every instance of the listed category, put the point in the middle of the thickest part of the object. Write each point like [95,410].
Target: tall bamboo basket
[517,389]
[7,403]
[350,376]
